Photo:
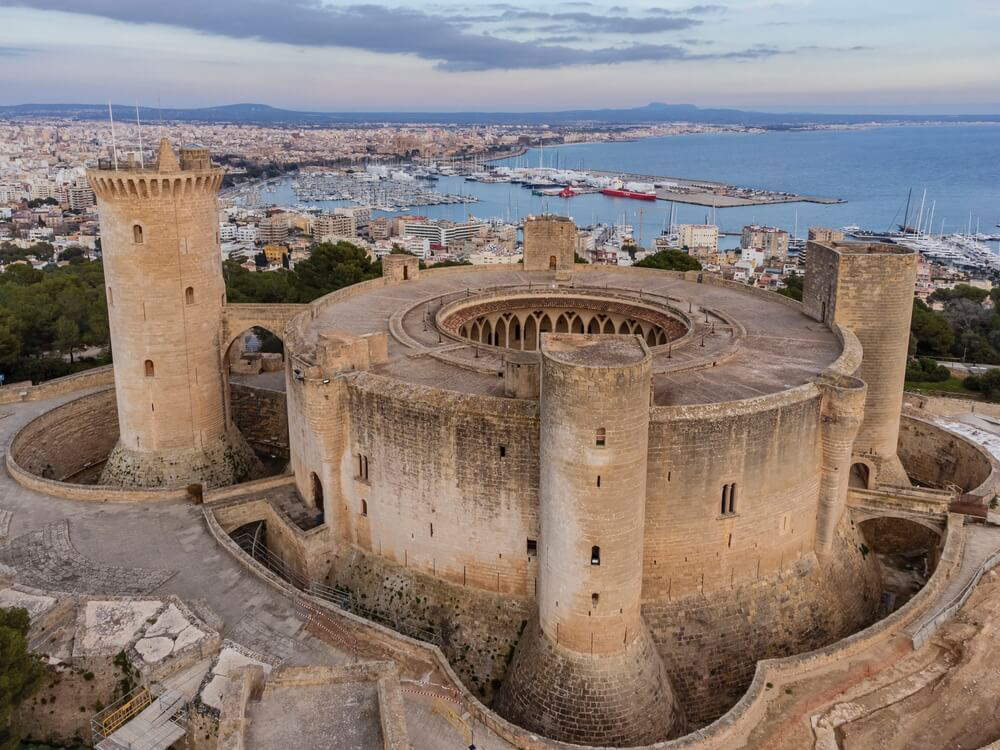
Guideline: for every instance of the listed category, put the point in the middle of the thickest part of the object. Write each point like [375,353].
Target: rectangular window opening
[532,547]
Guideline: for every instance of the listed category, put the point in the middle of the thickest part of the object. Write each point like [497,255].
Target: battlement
[193,173]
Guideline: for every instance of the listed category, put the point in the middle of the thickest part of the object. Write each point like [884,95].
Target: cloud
[442,37]
[16,51]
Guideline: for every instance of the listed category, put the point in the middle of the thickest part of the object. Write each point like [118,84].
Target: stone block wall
[711,644]
[549,243]
[442,482]
[70,438]
[935,457]
[262,416]
[479,630]
[767,451]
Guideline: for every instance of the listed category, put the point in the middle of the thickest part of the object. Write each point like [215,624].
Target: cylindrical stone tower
[843,407]
[587,671]
[165,291]
[868,288]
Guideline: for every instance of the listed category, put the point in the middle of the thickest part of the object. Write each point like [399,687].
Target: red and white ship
[622,193]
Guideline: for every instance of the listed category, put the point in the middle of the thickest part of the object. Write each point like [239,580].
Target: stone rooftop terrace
[742,344]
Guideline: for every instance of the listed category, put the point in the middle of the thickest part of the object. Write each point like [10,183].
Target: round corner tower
[165,293]
[587,670]
[868,288]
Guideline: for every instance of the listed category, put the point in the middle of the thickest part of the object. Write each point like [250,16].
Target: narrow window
[150,370]
[111,298]
[598,480]
[601,437]
[594,598]
[189,295]
[432,530]
[406,273]
[364,507]
[503,451]
[532,547]
[136,234]
[365,468]
[595,555]
[728,506]
[552,263]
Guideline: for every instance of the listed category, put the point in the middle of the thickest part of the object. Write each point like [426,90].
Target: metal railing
[256,549]
[120,713]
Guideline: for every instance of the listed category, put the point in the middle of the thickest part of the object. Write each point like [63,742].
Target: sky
[850,56]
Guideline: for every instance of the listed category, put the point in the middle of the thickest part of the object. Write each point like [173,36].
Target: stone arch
[544,325]
[530,334]
[623,327]
[562,324]
[486,333]
[245,356]
[316,491]
[862,474]
[577,326]
[594,326]
[609,326]
[500,332]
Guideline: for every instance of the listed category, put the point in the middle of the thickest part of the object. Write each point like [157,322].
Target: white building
[699,237]
[246,233]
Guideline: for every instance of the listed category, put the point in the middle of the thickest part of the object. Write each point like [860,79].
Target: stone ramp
[981,553]
[153,729]
[46,559]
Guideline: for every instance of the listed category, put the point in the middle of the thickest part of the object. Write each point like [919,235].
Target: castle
[652,467]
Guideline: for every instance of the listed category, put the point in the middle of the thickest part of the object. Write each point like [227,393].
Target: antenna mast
[114,145]
[138,124]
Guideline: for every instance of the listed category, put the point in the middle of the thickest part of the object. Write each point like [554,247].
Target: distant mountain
[655,112]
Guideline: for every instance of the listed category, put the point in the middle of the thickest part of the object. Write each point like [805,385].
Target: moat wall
[70,443]
[711,644]
[262,416]
[479,630]
[936,457]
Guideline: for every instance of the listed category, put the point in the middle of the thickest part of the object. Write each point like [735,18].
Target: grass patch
[951,385]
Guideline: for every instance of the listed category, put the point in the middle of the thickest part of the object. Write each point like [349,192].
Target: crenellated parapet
[141,185]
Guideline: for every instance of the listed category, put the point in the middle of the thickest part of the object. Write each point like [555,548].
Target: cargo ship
[629,194]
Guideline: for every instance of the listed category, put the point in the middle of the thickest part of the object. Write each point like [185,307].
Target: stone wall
[70,438]
[549,243]
[479,630]
[262,416]
[711,644]
[25,391]
[936,457]
[308,554]
[767,449]
[442,482]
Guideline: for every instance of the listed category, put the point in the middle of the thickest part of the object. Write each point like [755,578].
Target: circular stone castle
[640,475]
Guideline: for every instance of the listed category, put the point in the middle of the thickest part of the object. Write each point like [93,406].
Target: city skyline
[506,57]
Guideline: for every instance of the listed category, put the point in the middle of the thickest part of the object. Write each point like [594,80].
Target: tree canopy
[670,260]
[21,672]
[47,317]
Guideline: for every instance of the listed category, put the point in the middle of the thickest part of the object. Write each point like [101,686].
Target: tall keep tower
[587,670]
[868,287]
[163,272]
